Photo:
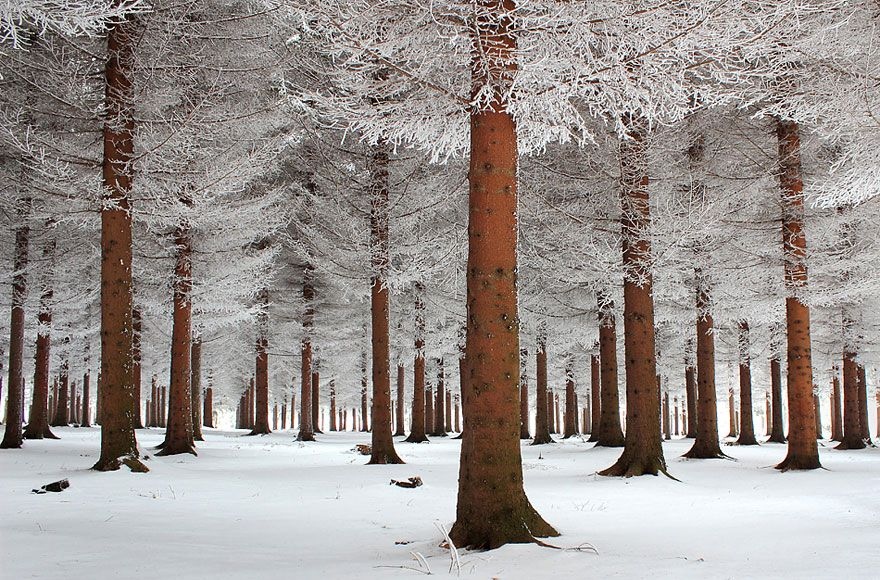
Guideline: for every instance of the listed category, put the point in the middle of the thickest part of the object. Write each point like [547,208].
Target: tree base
[177,450]
[851,443]
[133,463]
[255,431]
[440,434]
[385,459]
[745,441]
[776,439]
[416,439]
[628,466]
[795,463]
[11,444]
[305,437]
[522,530]
[44,433]
[543,440]
[703,451]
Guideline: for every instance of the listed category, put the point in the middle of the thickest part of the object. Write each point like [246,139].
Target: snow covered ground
[268,507]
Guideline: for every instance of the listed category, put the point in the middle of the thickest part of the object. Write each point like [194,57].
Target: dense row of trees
[301,203]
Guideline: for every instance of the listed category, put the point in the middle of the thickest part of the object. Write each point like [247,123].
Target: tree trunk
[196,387]
[863,406]
[417,419]
[208,414]
[306,429]
[836,418]
[746,420]
[667,430]
[610,432]
[852,430]
[706,445]
[316,400]
[440,402]
[401,383]
[13,435]
[38,421]
[86,401]
[677,425]
[594,401]
[523,396]
[543,402]
[261,372]
[731,409]
[803,451]
[365,400]
[690,381]
[492,508]
[117,399]
[429,408]
[643,452]
[457,426]
[179,431]
[136,326]
[333,424]
[448,410]
[570,405]
[62,404]
[777,432]
[818,414]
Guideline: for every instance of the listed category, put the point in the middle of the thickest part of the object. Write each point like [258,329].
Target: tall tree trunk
[261,371]
[209,407]
[777,432]
[569,429]
[543,399]
[38,421]
[818,414]
[62,404]
[457,425]
[117,400]
[13,435]
[803,451]
[492,508]
[316,399]
[731,408]
[333,424]
[677,425]
[86,401]
[136,326]
[746,420]
[440,402]
[610,431]
[594,401]
[643,452]
[690,381]
[836,418]
[523,395]
[706,445]
[306,429]
[401,383]
[863,406]
[196,387]
[417,419]
[667,429]
[852,430]
[365,401]
[448,410]
[179,431]
[429,408]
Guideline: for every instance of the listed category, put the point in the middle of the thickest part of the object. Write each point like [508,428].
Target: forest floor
[268,507]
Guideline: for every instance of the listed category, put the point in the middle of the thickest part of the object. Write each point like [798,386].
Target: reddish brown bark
[440,403]
[457,424]
[429,408]
[380,257]
[492,508]
[610,432]
[523,396]
[642,453]
[118,442]
[690,381]
[179,427]
[707,444]
[746,420]
[13,435]
[306,429]
[85,419]
[38,419]
[667,429]
[852,430]
[818,413]
[777,432]
[803,451]
[196,387]
[543,400]
[594,402]
[417,419]
[836,418]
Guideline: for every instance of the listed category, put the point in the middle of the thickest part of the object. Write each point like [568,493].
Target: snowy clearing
[268,507]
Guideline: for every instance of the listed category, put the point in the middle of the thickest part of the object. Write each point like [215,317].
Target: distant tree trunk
[569,429]
[492,507]
[209,407]
[284,410]
[333,426]
[252,404]
[551,412]
[863,406]
[610,432]
[417,418]
[365,400]
[643,452]
[62,410]
[706,445]
[306,429]
[690,381]
[523,395]
[852,430]
[731,409]
[261,372]
[401,383]
[74,396]
[667,431]
[13,435]
[156,395]
[117,400]
[777,432]
[836,419]
[803,451]
[448,410]
[594,401]
[316,400]
[38,421]
[677,425]
[86,401]
[543,402]
[457,425]
[440,402]
[818,413]
[136,326]
[179,432]
[196,387]
[747,424]
[429,408]
[293,408]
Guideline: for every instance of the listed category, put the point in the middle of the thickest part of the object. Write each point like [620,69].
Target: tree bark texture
[777,431]
[610,432]
[13,435]
[417,418]
[543,401]
[38,419]
[196,387]
[746,420]
[594,401]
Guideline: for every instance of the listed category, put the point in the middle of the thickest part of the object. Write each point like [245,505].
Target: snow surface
[268,507]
